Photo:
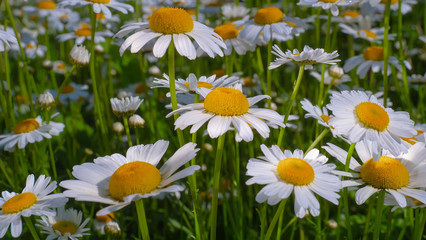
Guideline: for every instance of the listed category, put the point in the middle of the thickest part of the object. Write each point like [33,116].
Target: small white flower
[79,55]
[136,121]
[326,4]
[46,99]
[99,6]
[232,12]
[125,106]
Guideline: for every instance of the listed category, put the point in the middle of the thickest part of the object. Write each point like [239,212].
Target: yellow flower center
[325,118]
[295,171]
[292,24]
[328,1]
[368,33]
[387,173]
[46,5]
[83,32]
[19,202]
[374,53]
[170,21]
[386,1]
[226,31]
[61,66]
[219,72]
[268,15]
[132,178]
[100,16]
[67,89]
[27,125]
[139,89]
[415,201]
[371,115]
[351,14]
[226,102]
[411,140]
[106,218]
[30,46]
[65,227]
[201,85]
[99,1]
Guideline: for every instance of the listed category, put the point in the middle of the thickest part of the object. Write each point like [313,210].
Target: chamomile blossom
[100,222]
[125,106]
[358,116]
[390,200]
[30,130]
[371,34]
[167,24]
[124,179]
[308,57]
[73,92]
[417,79]
[287,172]
[33,50]
[400,175]
[99,6]
[266,22]
[8,39]
[326,4]
[229,33]
[322,115]
[191,84]
[59,67]
[81,33]
[232,12]
[43,8]
[334,75]
[406,5]
[35,199]
[66,224]
[226,106]
[372,58]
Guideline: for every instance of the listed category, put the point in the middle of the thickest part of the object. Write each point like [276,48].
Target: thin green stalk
[64,83]
[278,213]
[6,174]
[52,159]
[10,109]
[345,193]
[401,59]
[136,6]
[31,227]
[126,127]
[143,226]
[326,48]
[318,139]
[268,71]
[171,65]
[216,181]
[386,54]
[389,225]
[380,204]
[260,69]
[291,102]
[238,187]
[137,135]
[367,220]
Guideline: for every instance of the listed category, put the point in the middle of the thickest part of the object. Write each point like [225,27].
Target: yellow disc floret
[83,32]
[19,202]
[27,125]
[132,178]
[65,227]
[268,15]
[351,14]
[367,33]
[226,31]
[46,5]
[387,173]
[171,21]
[105,218]
[67,89]
[386,1]
[371,115]
[328,1]
[295,171]
[325,118]
[201,85]
[99,1]
[226,102]
[374,53]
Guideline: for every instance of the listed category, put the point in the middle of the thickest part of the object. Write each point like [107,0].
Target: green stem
[261,69]
[64,83]
[318,139]
[126,127]
[216,181]
[31,227]
[326,48]
[143,226]
[380,203]
[386,54]
[52,159]
[291,101]
[10,109]
[345,193]
[389,225]
[278,213]
[269,72]
[136,10]
[401,59]
[367,220]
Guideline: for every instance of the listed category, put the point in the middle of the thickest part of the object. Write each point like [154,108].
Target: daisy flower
[193,85]
[169,24]
[284,173]
[34,200]
[359,116]
[265,23]
[334,75]
[390,200]
[100,222]
[365,31]
[125,106]
[349,16]
[417,79]
[372,58]
[8,39]
[316,112]
[223,107]
[59,67]
[72,92]
[82,33]
[43,8]
[406,5]
[308,57]
[399,175]
[232,12]
[229,33]
[124,179]
[99,6]
[326,4]
[66,224]
[63,19]
[29,131]
[33,50]
[79,55]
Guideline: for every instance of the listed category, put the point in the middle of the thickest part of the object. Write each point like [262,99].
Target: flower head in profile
[229,33]
[30,130]
[81,33]
[167,24]
[326,4]
[7,38]
[400,175]
[308,57]
[287,172]
[125,106]
[66,224]
[79,55]
[35,199]
[232,12]
[359,116]
[226,106]
[334,75]
[124,179]
[99,6]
